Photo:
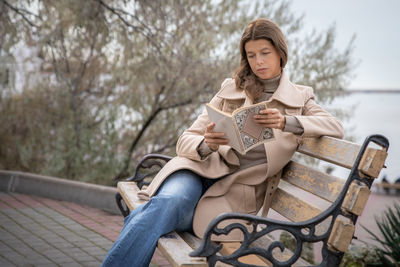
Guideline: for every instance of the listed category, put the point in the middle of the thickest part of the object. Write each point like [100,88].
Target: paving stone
[92,263]
[85,243]
[75,252]
[65,260]
[39,261]
[95,251]
[74,264]
[53,252]
[15,258]
[50,233]
[105,245]
[5,263]
[62,245]
[5,236]
[82,258]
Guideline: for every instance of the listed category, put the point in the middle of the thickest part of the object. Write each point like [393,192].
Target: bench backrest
[292,205]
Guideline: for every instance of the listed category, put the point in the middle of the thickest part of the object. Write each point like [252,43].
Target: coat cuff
[293,125]
[203,150]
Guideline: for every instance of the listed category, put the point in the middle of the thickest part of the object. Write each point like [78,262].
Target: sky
[376,24]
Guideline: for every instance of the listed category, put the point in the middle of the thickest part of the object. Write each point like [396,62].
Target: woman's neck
[270,85]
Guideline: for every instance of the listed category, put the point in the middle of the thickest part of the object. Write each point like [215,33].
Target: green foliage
[359,256]
[289,241]
[389,236]
[101,83]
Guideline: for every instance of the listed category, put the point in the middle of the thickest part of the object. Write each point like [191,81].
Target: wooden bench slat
[318,183]
[356,198]
[344,153]
[177,251]
[340,152]
[264,241]
[230,247]
[372,162]
[195,242]
[128,191]
[342,233]
[292,207]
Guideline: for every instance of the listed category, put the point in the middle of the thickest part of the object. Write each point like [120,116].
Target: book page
[224,123]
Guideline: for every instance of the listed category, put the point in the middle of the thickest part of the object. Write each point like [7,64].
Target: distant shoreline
[355,91]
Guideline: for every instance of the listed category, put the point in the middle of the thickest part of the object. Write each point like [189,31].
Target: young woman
[208,177]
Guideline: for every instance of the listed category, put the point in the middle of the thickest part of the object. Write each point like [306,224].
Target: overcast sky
[376,24]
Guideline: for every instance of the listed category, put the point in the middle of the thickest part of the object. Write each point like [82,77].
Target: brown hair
[258,29]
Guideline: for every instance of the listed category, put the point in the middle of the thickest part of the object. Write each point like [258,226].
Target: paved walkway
[37,231]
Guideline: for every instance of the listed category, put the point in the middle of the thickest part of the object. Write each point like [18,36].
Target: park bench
[300,189]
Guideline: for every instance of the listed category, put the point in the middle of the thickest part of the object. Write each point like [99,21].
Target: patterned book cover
[251,132]
[241,129]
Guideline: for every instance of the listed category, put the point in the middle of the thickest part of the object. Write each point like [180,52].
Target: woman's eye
[250,56]
[266,53]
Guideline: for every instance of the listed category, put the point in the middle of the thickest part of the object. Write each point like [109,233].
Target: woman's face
[263,58]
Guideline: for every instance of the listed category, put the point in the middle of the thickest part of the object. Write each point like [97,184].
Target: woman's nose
[259,60]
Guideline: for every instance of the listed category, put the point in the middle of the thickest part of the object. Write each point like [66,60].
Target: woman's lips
[262,70]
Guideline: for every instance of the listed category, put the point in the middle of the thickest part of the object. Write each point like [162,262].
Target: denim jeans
[170,209]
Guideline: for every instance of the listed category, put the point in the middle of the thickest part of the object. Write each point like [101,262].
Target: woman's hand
[271,118]
[214,139]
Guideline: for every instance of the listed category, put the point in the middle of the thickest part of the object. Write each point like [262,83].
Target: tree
[122,78]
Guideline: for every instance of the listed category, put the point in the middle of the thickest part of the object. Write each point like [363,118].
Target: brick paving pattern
[36,231]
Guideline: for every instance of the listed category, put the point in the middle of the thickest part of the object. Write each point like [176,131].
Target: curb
[97,196]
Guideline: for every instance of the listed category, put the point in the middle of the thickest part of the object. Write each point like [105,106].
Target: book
[240,128]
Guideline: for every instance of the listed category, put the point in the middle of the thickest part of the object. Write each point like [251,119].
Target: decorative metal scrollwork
[147,163]
[152,162]
[330,258]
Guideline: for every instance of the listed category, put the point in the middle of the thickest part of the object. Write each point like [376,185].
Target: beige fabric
[239,191]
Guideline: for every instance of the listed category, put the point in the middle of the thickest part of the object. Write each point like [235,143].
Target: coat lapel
[287,93]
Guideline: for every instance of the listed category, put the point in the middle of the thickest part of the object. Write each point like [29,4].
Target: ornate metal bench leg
[123,208]
[331,258]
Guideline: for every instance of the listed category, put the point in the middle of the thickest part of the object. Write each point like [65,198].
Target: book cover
[240,128]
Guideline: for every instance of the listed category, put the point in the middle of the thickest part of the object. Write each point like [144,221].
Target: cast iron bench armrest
[147,162]
[302,231]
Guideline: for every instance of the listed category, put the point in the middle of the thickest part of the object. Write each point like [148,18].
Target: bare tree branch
[143,29]
[22,12]
[124,171]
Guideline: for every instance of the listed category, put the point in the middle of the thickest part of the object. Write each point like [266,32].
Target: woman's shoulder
[306,91]
[228,90]
[228,82]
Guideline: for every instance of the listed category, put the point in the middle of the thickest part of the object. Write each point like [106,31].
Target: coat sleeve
[191,138]
[316,121]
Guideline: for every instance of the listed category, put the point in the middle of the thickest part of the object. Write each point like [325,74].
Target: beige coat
[246,190]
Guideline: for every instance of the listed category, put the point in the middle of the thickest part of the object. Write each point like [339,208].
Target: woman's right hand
[214,139]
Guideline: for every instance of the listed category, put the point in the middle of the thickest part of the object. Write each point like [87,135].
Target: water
[375,113]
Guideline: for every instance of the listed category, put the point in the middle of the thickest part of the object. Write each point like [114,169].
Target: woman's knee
[182,183]
[175,201]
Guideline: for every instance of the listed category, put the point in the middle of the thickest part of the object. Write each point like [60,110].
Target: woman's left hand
[271,118]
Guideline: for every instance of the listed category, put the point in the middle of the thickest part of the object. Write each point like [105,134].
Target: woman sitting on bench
[208,177]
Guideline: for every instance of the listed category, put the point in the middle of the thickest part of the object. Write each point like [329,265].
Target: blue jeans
[170,209]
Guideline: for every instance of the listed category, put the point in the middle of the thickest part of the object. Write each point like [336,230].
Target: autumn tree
[116,79]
